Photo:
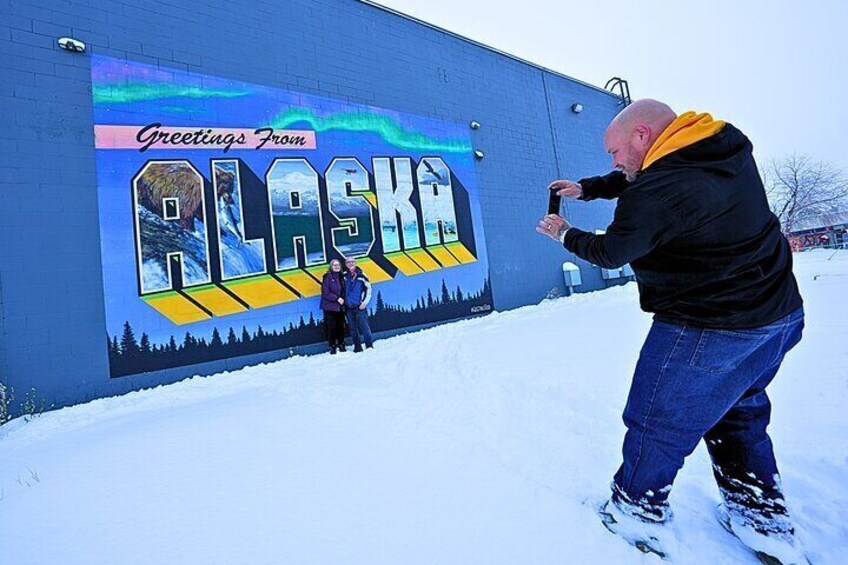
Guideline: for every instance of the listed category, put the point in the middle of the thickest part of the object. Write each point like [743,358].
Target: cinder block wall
[52,325]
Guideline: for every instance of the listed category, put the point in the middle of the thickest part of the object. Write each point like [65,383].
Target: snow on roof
[823,221]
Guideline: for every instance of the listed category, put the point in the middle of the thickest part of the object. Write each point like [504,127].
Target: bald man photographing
[713,267]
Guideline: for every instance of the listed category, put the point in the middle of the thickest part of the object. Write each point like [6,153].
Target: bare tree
[800,188]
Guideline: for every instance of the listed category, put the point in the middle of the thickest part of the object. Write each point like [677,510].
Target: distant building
[826,230]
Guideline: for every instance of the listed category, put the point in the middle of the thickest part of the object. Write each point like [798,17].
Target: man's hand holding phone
[553,225]
[567,188]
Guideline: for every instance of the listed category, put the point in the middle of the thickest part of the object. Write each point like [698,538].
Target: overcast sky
[778,70]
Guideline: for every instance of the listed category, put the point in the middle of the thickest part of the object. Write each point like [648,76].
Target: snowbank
[483,441]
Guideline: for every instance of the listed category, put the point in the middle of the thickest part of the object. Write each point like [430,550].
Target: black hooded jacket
[697,230]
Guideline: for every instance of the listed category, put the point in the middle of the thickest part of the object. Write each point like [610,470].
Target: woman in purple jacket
[332,303]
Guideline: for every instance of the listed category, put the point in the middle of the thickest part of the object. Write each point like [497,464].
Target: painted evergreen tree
[381,306]
[216,339]
[446,299]
[145,343]
[459,297]
[231,338]
[430,302]
[172,345]
[128,344]
[245,335]
[187,342]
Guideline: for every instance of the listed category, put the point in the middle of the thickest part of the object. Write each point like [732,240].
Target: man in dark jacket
[357,296]
[711,263]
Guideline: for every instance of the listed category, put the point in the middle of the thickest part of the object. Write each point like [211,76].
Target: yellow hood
[686,129]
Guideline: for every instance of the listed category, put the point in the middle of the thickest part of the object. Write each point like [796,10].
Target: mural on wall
[222,202]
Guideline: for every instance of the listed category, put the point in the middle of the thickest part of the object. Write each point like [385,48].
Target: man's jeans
[357,320]
[693,383]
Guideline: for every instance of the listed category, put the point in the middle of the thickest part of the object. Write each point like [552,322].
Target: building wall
[51,289]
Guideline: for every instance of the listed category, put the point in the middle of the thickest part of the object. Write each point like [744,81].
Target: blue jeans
[692,383]
[357,320]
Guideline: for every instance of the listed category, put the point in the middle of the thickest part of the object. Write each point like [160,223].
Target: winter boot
[771,548]
[642,534]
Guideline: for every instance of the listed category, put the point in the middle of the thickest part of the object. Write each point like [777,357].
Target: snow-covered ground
[485,441]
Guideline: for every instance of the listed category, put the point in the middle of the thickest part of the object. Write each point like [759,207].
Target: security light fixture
[475,124]
[577,107]
[72,45]
[478,154]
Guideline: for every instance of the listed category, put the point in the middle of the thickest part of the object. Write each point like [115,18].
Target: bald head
[647,112]
[633,131]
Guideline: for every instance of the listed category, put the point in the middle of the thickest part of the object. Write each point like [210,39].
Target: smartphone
[554,202]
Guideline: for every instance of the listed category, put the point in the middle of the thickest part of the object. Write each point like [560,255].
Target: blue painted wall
[51,293]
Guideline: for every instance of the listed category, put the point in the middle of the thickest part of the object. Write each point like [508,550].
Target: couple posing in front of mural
[344,299]
[713,266]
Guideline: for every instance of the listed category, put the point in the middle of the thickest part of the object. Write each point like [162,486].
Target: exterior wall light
[571,274]
[577,108]
[72,45]
[475,124]
[478,154]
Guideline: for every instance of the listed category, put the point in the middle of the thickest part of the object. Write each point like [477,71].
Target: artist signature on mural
[157,136]
[481,308]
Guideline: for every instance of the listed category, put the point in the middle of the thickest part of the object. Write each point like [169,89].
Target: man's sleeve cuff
[569,236]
